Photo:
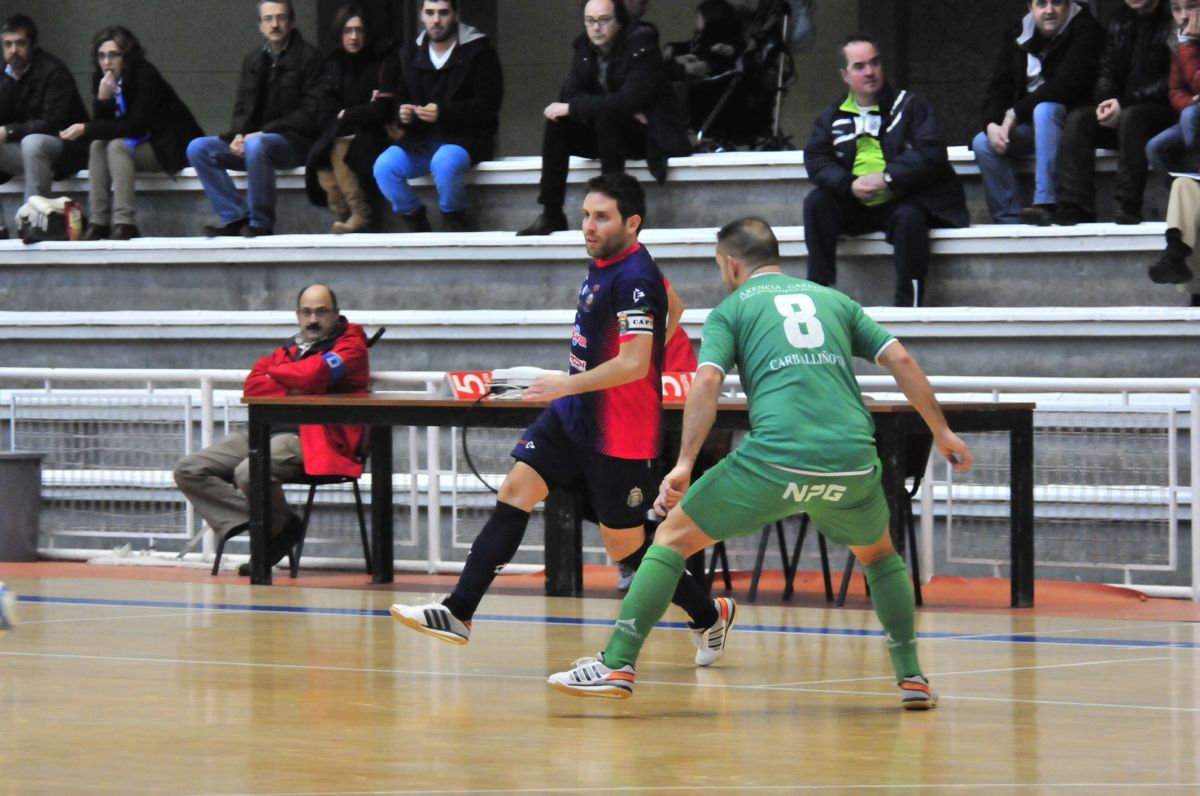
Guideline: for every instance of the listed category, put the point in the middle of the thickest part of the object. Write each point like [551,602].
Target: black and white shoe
[433,619]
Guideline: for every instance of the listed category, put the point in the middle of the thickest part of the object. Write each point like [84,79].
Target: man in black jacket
[616,103]
[878,161]
[1131,107]
[38,100]
[274,124]
[448,107]
[1045,67]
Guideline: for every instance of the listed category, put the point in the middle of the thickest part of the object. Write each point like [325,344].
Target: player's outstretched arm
[698,415]
[916,387]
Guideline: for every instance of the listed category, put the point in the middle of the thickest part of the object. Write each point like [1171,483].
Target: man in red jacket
[328,355]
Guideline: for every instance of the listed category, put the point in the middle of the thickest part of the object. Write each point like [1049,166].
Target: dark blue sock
[495,546]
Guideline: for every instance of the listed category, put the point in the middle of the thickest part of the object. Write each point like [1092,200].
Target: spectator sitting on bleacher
[616,103]
[354,109]
[273,126]
[328,355]
[38,100]
[1131,108]
[1183,217]
[447,101]
[877,160]
[1046,66]
[1172,149]
[139,124]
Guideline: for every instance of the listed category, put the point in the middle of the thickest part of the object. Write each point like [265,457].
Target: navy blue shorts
[621,491]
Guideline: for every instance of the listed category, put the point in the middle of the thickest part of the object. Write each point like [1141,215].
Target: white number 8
[800,322]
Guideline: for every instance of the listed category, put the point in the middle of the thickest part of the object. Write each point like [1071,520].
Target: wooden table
[895,425]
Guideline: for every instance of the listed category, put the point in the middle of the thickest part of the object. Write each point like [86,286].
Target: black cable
[466,452]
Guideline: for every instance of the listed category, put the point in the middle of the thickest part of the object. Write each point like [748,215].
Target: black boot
[418,221]
[551,220]
[1171,268]
[455,221]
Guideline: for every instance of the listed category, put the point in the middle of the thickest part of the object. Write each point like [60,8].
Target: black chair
[292,557]
[791,562]
[919,447]
[314,481]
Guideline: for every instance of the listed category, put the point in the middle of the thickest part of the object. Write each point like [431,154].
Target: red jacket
[336,365]
[1185,76]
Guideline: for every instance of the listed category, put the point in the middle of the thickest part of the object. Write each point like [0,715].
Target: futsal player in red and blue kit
[602,432]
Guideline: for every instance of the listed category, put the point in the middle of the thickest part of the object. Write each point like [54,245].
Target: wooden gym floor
[131,681]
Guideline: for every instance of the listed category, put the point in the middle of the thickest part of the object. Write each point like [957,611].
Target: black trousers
[613,141]
[905,223]
[1136,125]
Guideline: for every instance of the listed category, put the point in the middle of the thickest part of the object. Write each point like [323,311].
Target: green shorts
[739,496]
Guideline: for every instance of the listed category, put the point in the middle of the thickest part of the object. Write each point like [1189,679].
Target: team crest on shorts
[635,498]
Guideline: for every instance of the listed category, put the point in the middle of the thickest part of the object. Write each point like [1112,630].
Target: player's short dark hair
[619,11]
[625,190]
[19,23]
[856,38]
[453,4]
[751,240]
[303,290]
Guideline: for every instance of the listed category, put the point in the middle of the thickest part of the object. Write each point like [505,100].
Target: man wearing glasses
[274,125]
[616,103]
[327,355]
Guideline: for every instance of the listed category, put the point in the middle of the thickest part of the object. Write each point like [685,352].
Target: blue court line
[1003,638]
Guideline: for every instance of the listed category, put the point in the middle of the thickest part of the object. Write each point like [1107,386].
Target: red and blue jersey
[621,298]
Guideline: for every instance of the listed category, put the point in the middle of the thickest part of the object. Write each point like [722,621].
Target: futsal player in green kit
[810,449]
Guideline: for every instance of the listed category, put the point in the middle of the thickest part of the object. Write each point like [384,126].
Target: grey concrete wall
[198,46]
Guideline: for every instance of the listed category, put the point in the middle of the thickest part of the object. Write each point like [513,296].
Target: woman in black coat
[354,110]
[139,124]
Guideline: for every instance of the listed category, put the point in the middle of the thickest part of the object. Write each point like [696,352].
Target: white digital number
[800,322]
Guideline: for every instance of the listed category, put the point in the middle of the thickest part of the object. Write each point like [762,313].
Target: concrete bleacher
[989,266]
[702,190]
[1028,342]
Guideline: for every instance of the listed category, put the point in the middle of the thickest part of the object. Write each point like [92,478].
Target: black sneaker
[1125,218]
[230,230]
[1037,215]
[251,231]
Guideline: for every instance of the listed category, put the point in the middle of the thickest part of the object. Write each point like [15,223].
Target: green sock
[892,596]
[647,600]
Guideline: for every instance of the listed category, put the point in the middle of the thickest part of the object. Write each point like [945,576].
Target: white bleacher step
[526,170]
[501,247]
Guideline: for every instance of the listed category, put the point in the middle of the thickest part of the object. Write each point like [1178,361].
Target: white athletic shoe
[915,693]
[710,641]
[433,619]
[8,609]
[591,678]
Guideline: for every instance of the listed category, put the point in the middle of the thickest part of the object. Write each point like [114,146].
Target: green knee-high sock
[648,598]
[892,596]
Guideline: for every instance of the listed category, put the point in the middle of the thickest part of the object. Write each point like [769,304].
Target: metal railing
[1173,399]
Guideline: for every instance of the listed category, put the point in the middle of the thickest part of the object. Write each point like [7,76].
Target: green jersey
[792,342]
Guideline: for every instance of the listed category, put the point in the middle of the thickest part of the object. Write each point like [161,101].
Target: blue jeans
[1170,149]
[211,157]
[448,163]
[999,178]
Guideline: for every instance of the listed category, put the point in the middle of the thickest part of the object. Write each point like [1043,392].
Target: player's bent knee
[878,550]
[681,533]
